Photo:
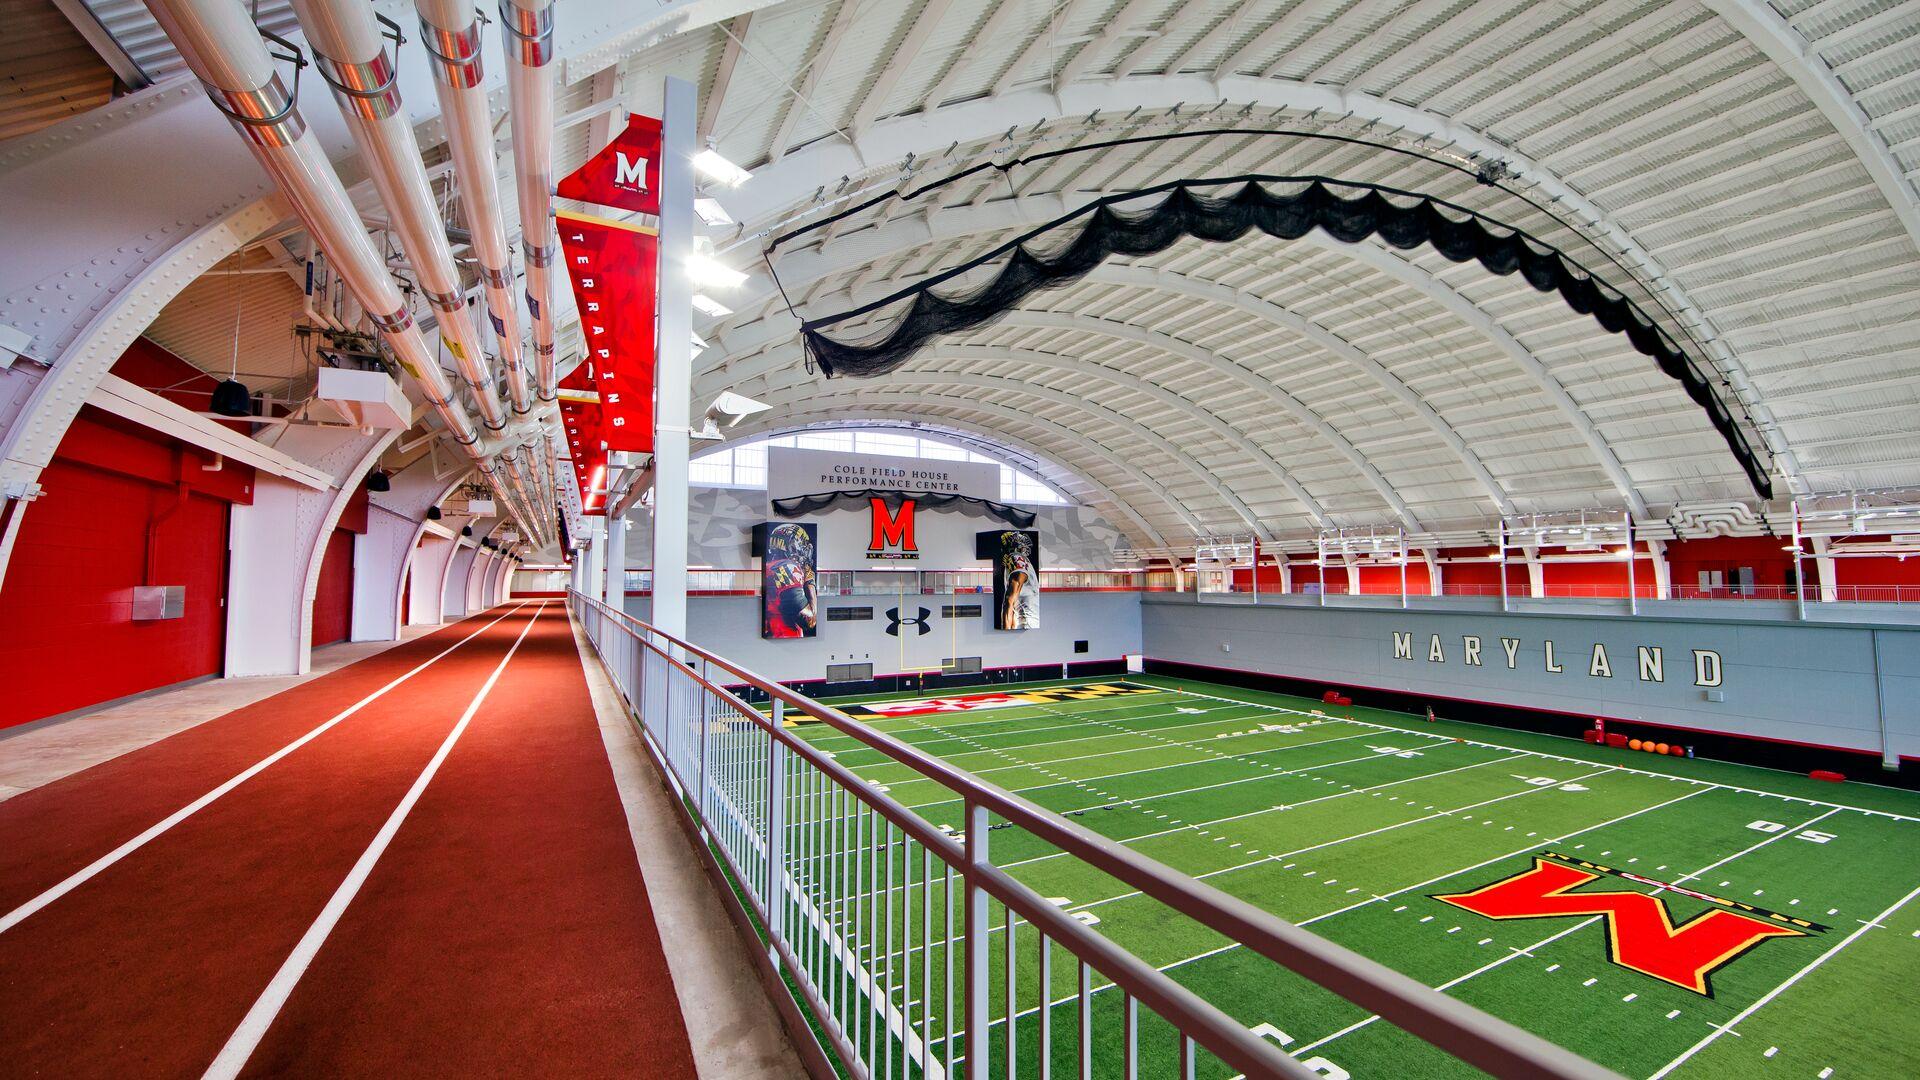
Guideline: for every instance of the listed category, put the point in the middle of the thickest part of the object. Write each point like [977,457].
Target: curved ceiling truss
[1655,133]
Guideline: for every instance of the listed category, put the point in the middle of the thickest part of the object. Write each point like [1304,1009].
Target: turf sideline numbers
[1318,1064]
[1811,836]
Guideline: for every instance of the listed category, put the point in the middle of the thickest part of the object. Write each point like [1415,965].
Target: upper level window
[745,465]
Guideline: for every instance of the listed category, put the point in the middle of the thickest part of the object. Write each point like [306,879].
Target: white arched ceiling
[939,380]
[978,225]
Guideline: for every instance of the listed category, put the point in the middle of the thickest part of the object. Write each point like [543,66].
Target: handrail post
[776,894]
[978,1000]
[706,726]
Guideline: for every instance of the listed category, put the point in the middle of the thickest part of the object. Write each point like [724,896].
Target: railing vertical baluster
[1012,1004]
[926,960]
[699,712]
[1046,1012]
[883,968]
[875,1010]
[974,989]
[1186,1057]
[946,966]
[1086,1021]
[1132,1011]
[774,895]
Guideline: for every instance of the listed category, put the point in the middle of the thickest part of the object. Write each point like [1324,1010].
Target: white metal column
[673,375]
[615,592]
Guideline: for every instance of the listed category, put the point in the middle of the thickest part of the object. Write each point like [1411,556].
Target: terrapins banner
[615,269]
[1015,555]
[789,598]
[582,422]
[624,174]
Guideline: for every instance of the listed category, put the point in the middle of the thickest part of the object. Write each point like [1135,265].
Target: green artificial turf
[1352,822]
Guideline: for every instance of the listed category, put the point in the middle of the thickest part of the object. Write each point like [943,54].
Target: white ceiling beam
[899,63]
[1274,33]
[1762,26]
[1041,43]
[1121,24]
[150,410]
[810,81]
[991,30]
[716,99]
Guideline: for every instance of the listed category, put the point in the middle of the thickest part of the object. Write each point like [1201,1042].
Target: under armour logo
[895,622]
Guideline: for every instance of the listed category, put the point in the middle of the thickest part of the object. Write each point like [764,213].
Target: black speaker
[231,398]
[377,480]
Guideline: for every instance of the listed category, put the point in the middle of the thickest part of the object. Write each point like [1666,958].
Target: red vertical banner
[584,444]
[624,174]
[614,268]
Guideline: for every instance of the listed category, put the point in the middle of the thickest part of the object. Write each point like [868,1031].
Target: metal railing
[883,924]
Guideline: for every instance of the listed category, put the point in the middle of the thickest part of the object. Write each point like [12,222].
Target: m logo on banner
[892,536]
[1641,935]
[629,173]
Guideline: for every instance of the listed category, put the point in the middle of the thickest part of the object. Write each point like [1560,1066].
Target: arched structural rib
[1761,25]
[1067,436]
[933,130]
[796,418]
[906,234]
[1132,427]
[1193,410]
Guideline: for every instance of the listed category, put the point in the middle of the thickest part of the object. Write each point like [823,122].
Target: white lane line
[253,1027]
[1581,925]
[1569,760]
[1782,988]
[81,877]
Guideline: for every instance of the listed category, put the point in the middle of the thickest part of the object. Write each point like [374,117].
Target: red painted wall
[67,637]
[333,600]
[1772,566]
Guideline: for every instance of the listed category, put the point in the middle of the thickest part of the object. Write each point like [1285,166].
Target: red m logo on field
[1640,930]
[892,528]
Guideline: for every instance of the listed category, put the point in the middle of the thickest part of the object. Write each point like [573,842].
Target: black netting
[1402,220]
[802,505]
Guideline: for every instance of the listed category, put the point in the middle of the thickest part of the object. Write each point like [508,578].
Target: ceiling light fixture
[710,164]
[711,212]
[711,272]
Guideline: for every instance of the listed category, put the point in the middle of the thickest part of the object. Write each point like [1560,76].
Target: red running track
[441,882]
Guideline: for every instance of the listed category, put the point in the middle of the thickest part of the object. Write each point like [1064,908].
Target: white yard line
[253,1027]
[1742,1015]
[91,870]
[1516,954]
[1570,760]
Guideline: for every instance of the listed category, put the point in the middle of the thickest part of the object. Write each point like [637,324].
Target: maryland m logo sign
[1640,930]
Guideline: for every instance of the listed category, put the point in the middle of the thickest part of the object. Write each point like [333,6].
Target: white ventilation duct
[349,54]
[224,50]
[528,40]
[452,35]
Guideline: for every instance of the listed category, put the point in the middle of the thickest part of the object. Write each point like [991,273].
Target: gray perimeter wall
[1830,685]
[730,625]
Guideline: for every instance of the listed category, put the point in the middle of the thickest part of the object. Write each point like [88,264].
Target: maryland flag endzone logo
[1641,935]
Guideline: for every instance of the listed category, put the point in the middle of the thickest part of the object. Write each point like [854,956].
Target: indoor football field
[1662,916]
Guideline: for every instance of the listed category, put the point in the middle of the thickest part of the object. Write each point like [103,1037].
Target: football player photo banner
[1015,555]
[789,595]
